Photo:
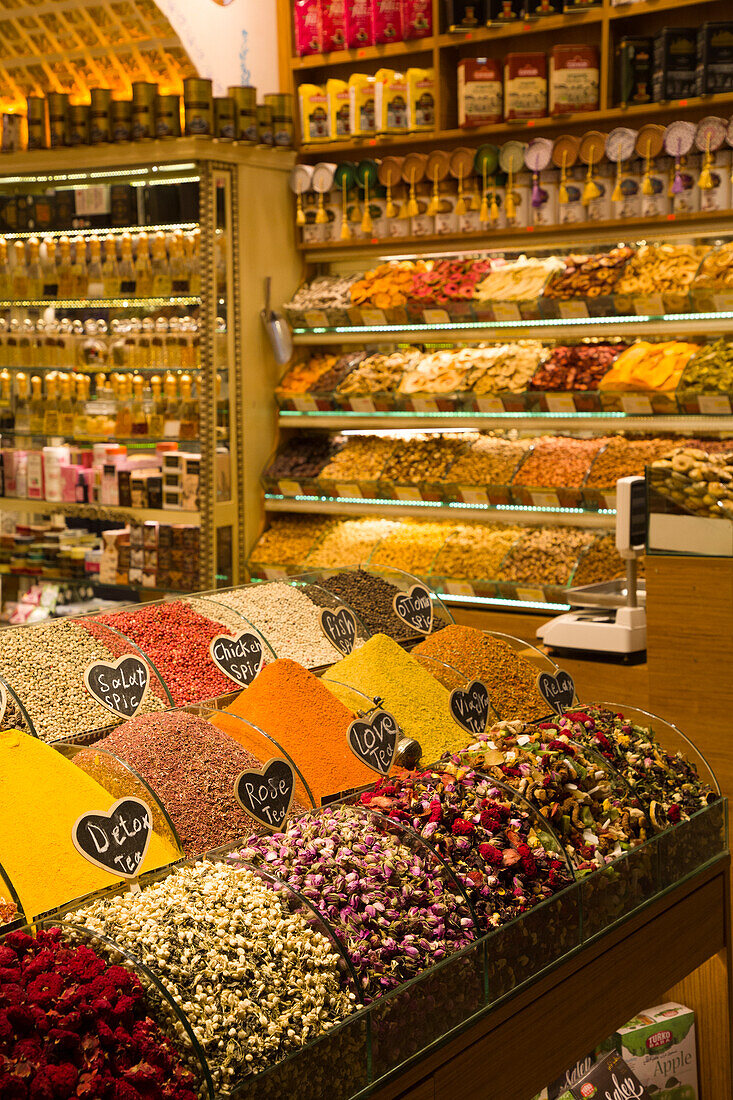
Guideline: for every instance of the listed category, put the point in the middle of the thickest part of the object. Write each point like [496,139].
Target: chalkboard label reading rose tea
[557,691]
[266,794]
[374,740]
[415,608]
[116,841]
[120,686]
[240,658]
[340,628]
[471,708]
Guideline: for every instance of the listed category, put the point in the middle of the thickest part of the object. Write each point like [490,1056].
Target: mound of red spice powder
[72,1025]
[176,639]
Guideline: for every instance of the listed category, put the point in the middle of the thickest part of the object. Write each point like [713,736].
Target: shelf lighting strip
[78,178]
[497,601]
[340,414]
[99,303]
[448,506]
[44,234]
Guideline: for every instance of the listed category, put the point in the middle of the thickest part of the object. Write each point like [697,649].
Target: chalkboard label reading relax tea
[557,691]
[415,608]
[471,708]
[120,686]
[374,740]
[240,658]
[116,841]
[340,628]
[266,794]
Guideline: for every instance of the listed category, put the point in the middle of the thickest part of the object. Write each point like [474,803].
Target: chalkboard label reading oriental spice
[415,608]
[471,708]
[240,658]
[266,794]
[374,740]
[557,691]
[340,628]
[116,841]
[121,686]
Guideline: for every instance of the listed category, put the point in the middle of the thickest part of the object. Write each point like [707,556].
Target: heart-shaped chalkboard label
[340,628]
[415,608]
[266,794]
[557,691]
[374,740]
[3,701]
[240,658]
[120,686]
[116,841]
[471,708]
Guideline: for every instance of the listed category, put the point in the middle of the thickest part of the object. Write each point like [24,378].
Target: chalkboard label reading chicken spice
[116,841]
[471,708]
[374,740]
[340,628]
[415,608]
[240,658]
[266,794]
[120,686]
[557,691]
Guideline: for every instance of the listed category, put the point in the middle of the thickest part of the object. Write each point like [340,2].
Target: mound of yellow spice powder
[382,669]
[41,796]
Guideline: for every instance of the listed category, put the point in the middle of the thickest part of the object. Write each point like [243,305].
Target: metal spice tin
[198,102]
[167,116]
[100,124]
[37,136]
[264,124]
[224,124]
[58,119]
[143,110]
[121,119]
[245,113]
[282,118]
[79,124]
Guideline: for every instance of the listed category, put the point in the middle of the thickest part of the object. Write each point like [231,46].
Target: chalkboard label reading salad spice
[340,628]
[266,794]
[374,740]
[557,691]
[240,658]
[120,686]
[415,608]
[116,841]
[471,708]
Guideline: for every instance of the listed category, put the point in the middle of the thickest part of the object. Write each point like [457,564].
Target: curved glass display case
[11,911]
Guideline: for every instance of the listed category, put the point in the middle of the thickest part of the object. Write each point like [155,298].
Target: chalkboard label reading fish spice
[340,628]
[116,841]
[374,740]
[120,686]
[266,794]
[240,658]
[415,608]
[557,691]
[471,708]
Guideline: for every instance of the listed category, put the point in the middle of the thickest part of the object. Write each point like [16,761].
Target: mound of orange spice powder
[307,721]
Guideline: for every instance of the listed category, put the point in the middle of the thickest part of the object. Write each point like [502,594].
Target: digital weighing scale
[611,616]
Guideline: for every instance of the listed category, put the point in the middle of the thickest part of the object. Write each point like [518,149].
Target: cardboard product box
[150,578]
[110,489]
[35,483]
[165,535]
[190,494]
[172,498]
[659,1047]
[150,536]
[136,534]
[124,488]
[124,554]
[165,558]
[155,491]
[150,559]
[135,576]
[179,559]
[137,558]
[634,65]
[611,1078]
[139,491]
[178,539]
[714,73]
[675,63]
[177,581]
[192,538]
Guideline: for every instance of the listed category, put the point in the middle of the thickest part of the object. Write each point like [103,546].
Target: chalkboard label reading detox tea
[240,658]
[471,708]
[120,686]
[340,628]
[266,794]
[374,740]
[557,691]
[116,841]
[415,608]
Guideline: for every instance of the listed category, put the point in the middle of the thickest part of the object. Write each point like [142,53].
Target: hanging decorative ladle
[564,156]
[592,146]
[437,169]
[344,178]
[366,179]
[390,176]
[301,179]
[709,136]
[485,165]
[323,178]
[678,140]
[537,157]
[511,161]
[649,144]
[461,169]
[620,145]
[413,172]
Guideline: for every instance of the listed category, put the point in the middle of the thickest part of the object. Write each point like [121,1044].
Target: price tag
[339,627]
[471,708]
[424,405]
[636,404]
[362,404]
[474,496]
[92,200]
[266,794]
[348,489]
[116,841]
[572,309]
[723,300]
[506,311]
[546,499]
[407,492]
[560,402]
[415,608]
[315,318]
[436,317]
[239,658]
[530,595]
[459,588]
[120,686]
[290,488]
[650,305]
[305,404]
[372,317]
[608,500]
[273,573]
[490,404]
[714,404]
[557,691]
[374,740]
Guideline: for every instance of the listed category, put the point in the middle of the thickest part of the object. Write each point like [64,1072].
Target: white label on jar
[470,222]
[714,404]
[362,404]
[530,595]
[407,492]
[545,500]
[474,496]
[560,402]
[651,305]
[435,317]
[636,404]
[446,223]
[490,404]
[372,317]
[290,488]
[573,309]
[459,588]
[398,227]
[315,318]
[506,311]
[480,101]
[348,489]
[424,405]
[305,404]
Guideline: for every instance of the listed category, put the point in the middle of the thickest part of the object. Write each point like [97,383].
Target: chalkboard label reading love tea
[340,628]
[557,691]
[116,841]
[120,686]
[266,794]
[374,740]
[240,658]
[415,608]
[471,708]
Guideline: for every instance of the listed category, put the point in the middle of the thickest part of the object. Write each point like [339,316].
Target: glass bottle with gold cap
[38,405]
[7,416]
[156,416]
[162,281]
[22,403]
[19,272]
[65,272]
[6,282]
[49,269]
[35,273]
[79,273]
[95,277]
[180,283]
[51,412]
[123,420]
[110,268]
[66,408]
[139,420]
[192,251]
[172,424]
[82,385]
[143,268]
[127,266]
[189,410]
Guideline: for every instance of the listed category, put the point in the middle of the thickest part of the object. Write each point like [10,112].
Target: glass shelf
[100,303]
[116,231]
[363,503]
